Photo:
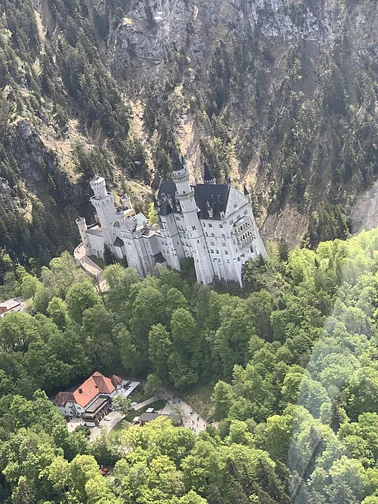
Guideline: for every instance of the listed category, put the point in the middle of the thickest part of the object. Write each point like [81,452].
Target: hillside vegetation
[280,95]
[293,359]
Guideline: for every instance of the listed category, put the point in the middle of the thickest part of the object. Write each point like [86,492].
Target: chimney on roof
[80,390]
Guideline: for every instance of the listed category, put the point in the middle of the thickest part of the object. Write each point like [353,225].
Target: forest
[292,358]
[293,116]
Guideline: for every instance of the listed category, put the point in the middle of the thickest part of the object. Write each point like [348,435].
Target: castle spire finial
[176,161]
[208,177]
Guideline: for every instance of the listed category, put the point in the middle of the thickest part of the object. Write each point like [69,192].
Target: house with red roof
[91,401]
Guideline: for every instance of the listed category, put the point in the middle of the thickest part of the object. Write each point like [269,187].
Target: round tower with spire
[185,196]
[105,209]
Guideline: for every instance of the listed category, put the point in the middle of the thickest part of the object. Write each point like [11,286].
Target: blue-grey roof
[176,161]
[207,196]
[167,191]
[207,176]
[118,242]
[211,196]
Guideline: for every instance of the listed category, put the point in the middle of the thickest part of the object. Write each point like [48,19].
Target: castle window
[223,236]
[197,241]
[221,226]
[204,225]
[225,253]
[212,243]
[211,251]
[210,225]
[245,212]
[194,228]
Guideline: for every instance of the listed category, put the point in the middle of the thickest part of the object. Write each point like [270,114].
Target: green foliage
[292,359]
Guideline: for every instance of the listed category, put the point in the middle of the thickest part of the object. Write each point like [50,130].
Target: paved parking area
[190,418]
[106,425]
[74,424]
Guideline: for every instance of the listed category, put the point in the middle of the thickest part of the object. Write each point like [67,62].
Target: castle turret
[98,186]
[105,208]
[82,225]
[125,201]
[185,196]
[208,177]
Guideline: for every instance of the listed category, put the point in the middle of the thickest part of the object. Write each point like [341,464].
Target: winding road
[91,268]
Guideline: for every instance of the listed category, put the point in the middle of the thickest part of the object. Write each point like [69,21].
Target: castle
[212,223]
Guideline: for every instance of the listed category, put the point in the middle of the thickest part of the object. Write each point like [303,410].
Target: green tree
[79,298]
[153,386]
[122,403]
[222,400]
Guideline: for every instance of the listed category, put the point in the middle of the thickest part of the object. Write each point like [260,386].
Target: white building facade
[212,223]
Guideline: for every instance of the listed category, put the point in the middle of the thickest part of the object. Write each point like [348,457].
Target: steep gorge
[280,95]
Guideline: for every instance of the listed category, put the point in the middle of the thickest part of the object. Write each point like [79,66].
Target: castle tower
[105,209]
[208,177]
[82,225]
[185,196]
[126,202]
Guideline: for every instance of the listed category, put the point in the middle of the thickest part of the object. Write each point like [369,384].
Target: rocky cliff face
[152,31]
[291,82]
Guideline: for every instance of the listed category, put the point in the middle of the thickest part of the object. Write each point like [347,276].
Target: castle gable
[212,200]
[167,198]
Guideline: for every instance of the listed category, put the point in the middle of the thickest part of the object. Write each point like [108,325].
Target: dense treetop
[292,359]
